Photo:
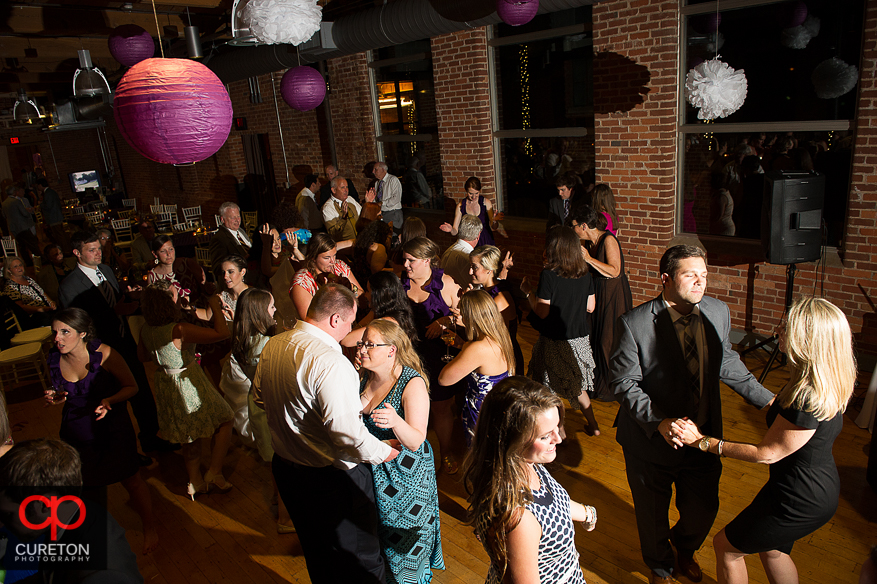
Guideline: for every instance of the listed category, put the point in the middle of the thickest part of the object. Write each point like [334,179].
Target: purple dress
[107,447]
[478,386]
[431,351]
[486,237]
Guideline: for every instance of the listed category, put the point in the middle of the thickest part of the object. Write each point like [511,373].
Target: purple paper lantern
[791,14]
[173,111]
[130,44]
[517,12]
[303,88]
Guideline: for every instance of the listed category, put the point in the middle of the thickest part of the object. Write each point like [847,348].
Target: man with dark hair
[560,207]
[50,204]
[311,396]
[670,355]
[93,288]
[306,204]
[52,468]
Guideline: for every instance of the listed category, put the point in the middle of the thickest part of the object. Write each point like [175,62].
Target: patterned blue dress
[477,388]
[407,501]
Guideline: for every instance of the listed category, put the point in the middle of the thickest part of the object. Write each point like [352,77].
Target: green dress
[189,407]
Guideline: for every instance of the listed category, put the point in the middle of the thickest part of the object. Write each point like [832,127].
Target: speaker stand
[790,288]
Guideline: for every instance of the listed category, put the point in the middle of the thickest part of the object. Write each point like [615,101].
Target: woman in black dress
[803,421]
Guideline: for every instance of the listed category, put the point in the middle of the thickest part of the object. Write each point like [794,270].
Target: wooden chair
[165,221]
[180,227]
[218,221]
[79,210]
[129,203]
[129,214]
[250,218]
[102,206]
[10,247]
[202,254]
[94,217]
[170,209]
[156,209]
[40,335]
[192,213]
[124,232]
[23,363]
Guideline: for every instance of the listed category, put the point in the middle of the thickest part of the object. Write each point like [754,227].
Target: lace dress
[407,501]
[189,407]
[107,447]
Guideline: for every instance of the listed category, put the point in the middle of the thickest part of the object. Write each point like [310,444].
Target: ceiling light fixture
[88,81]
[25,110]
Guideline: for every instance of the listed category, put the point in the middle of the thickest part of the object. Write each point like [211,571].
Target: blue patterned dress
[407,500]
[477,388]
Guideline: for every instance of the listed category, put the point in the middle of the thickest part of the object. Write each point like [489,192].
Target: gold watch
[704,444]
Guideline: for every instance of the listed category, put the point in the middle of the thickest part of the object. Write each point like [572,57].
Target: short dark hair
[331,298]
[586,215]
[563,253]
[311,179]
[77,319]
[567,179]
[670,260]
[40,466]
[49,248]
[472,183]
[157,304]
[80,238]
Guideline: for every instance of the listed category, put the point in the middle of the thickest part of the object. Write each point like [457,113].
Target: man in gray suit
[669,357]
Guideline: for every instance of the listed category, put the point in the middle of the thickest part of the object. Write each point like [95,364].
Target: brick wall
[460,75]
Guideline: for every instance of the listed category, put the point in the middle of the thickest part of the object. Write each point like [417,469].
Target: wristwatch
[704,443]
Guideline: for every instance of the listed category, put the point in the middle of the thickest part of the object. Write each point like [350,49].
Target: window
[543,108]
[782,125]
[408,137]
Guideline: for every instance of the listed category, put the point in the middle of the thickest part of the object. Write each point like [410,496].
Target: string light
[524,55]
[412,119]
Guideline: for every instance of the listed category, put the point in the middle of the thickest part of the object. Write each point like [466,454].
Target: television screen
[79,181]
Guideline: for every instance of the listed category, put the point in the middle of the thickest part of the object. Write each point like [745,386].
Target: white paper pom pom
[833,78]
[717,89]
[282,21]
[798,37]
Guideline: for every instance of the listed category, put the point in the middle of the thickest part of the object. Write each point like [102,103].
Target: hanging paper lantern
[282,21]
[173,111]
[706,23]
[790,14]
[303,88]
[517,12]
[717,89]
[130,44]
[798,37]
[833,78]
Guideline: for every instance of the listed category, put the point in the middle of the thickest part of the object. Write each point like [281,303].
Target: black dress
[613,299]
[800,496]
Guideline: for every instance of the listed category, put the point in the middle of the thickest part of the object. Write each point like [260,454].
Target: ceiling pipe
[395,23]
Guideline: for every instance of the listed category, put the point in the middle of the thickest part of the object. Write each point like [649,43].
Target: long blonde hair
[393,334]
[483,320]
[495,472]
[819,345]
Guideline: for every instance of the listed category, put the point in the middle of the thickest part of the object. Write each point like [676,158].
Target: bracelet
[721,443]
[591,516]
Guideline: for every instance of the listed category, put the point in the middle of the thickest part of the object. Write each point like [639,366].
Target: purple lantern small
[303,88]
[173,111]
[517,12]
[791,14]
[130,44]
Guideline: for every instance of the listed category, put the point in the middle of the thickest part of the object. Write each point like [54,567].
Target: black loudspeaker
[791,216]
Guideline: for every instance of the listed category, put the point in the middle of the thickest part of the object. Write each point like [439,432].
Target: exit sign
[13,140]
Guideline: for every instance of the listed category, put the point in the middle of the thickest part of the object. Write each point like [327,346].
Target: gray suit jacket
[649,377]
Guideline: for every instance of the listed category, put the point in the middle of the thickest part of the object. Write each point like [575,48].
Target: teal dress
[189,406]
[407,501]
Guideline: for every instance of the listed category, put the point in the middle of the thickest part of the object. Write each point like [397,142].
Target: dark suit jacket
[222,245]
[649,377]
[78,291]
[555,209]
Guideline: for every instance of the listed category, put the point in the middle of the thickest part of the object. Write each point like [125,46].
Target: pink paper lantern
[130,44]
[517,12]
[173,111]
[303,88]
[791,14]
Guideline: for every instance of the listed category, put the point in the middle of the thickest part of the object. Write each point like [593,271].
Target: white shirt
[307,192]
[391,193]
[455,262]
[93,274]
[311,396]
[329,211]
[239,234]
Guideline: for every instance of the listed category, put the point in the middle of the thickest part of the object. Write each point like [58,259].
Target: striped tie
[692,357]
[109,294]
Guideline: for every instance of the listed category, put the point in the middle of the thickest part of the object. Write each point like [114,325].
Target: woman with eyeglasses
[603,255]
[395,406]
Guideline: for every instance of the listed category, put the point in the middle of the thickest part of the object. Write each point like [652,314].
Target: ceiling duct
[399,22]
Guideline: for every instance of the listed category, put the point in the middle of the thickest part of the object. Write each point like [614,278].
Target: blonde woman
[395,406]
[802,492]
[522,516]
[485,360]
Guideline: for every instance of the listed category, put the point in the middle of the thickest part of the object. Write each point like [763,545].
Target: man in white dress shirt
[229,240]
[455,260]
[388,192]
[341,212]
[311,396]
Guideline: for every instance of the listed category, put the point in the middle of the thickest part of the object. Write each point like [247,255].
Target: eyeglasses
[370,346]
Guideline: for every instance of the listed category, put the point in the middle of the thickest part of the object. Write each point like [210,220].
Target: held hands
[670,432]
[385,416]
[686,431]
[102,409]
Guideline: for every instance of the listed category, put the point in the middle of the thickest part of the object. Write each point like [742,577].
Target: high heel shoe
[218,481]
[192,490]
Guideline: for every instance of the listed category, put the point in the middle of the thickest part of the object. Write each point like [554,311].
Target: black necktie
[692,357]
